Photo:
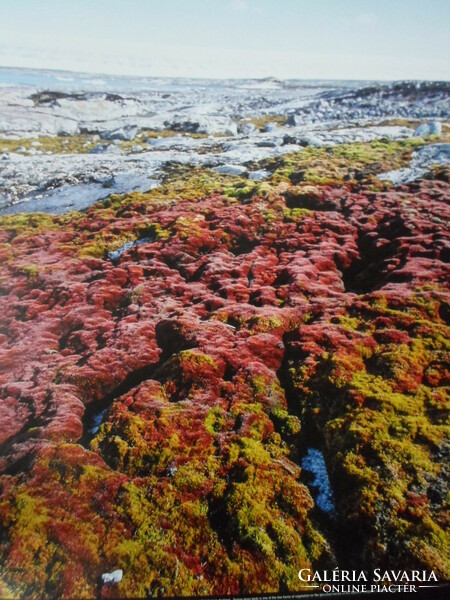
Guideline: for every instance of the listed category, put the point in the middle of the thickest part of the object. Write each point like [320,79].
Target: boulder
[259,175]
[127,133]
[230,169]
[294,121]
[270,127]
[113,577]
[247,128]
[105,149]
[426,129]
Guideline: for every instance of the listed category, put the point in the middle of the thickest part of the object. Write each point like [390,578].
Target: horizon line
[187,77]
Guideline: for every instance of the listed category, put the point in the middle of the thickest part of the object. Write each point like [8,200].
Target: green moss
[97,249]
[338,164]
[253,451]
[80,143]
[262,324]
[189,478]
[242,190]
[73,144]
[296,214]
[7,592]
[31,271]
[106,241]
[215,420]
[261,122]
[259,384]
[289,424]
[28,222]
[195,359]
[379,406]
[351,323]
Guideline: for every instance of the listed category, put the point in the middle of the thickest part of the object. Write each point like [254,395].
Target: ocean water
[69,81]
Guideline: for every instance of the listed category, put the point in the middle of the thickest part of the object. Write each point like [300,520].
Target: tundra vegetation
[255,319]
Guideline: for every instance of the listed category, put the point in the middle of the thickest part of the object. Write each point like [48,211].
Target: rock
[271,127]
[258,175]
[230,169]
[294,120]
[207,124]
[426,129]
[167,143]
[268,143]
[310,140]
[86,112]
[99,149]
[289,139]
[247,128]
[421,162]
[127,133]
[113,577]
[105,149]
[403,175]
[65,127]
[231,128]
[184,126]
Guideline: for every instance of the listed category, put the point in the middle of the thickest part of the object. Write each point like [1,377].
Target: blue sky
[350,39]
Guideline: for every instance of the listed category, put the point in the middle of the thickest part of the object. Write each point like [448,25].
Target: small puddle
[314,464]
[92,420]
[95,421]
[60,200]
[115,255]
[77,197]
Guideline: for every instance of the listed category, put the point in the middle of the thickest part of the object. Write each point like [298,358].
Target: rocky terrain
[86,144]
[219,379]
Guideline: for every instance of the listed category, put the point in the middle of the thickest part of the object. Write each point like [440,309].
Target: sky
[313,39]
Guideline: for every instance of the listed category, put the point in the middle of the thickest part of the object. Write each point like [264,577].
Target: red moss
[192,342]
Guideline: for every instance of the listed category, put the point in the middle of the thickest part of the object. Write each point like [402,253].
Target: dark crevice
[369,272]
[115,255]
[444,313]
[346,533]
[310,450]
[296,199]
[16,466]
[376,365]
[30,430]
[220,522]
[229,373]
[64,339]
[256,298]
[308,440]
[198,274]
[171,340]
[243,245]
[283,278]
